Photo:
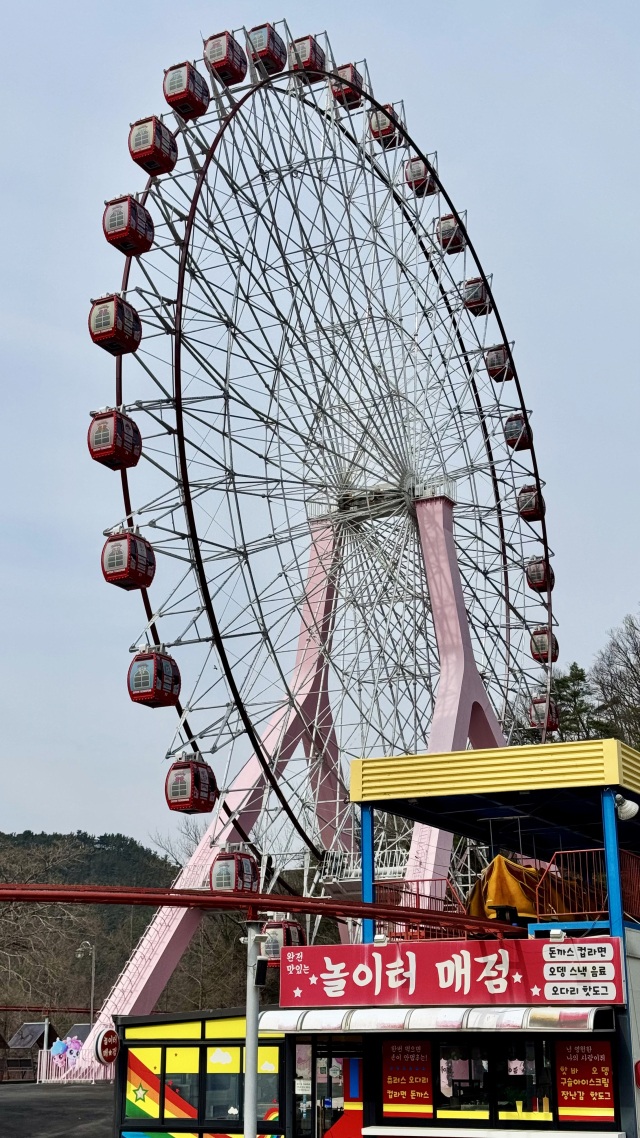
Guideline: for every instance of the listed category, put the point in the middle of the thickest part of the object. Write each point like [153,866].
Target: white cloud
[220,1056]
[266,1066]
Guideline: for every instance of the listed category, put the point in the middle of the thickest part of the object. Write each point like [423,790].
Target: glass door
[338,1093]
[302,1090]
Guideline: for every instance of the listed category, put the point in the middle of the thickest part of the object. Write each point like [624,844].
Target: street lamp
[85,947]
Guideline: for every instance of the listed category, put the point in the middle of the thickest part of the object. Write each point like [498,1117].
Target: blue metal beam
[546,927]
[612,861]
[368,870]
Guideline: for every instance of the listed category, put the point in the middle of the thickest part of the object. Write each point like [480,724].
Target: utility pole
[86,946]
[256,977]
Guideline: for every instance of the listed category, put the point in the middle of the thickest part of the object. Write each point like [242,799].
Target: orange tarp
[505,882]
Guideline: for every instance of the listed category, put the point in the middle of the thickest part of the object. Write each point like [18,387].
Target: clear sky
[533,110]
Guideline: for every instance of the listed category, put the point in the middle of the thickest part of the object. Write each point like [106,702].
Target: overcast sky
[532,107]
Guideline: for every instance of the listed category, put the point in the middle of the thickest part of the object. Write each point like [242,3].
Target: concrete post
[251,1039]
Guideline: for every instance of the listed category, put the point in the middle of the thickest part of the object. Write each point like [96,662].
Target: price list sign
[585,1083]
[406,1079]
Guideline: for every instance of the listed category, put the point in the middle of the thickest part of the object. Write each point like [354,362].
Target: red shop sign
[584,1080]
[453,972]
[106,1046]
[406,1079]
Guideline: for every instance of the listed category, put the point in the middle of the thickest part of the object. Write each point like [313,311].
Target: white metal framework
[325,373]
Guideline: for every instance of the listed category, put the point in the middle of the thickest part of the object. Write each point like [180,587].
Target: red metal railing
[436,894]
[253,904]
[630,880]
[574,886]
[432,895]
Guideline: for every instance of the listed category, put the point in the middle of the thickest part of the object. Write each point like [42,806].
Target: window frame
[199,1126]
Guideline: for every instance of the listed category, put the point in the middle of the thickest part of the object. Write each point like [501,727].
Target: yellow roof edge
[356,780]
[612,760]
[590,762]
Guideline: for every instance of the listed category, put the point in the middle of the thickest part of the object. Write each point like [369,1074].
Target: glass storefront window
[302,1091]
[523,1081]
[223,1084]
[406,1079]
[268,1084]
[462,1084]
[181,1082]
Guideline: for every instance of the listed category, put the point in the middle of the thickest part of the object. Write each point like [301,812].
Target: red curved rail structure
[253,904]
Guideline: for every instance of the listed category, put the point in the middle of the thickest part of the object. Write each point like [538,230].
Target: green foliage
[581,715]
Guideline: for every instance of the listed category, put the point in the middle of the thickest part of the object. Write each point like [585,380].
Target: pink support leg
[462,711]
[308,721]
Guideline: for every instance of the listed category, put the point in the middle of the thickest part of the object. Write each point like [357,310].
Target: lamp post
[256,977]
[85,947]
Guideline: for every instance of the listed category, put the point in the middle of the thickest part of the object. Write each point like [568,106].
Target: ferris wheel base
[463,713]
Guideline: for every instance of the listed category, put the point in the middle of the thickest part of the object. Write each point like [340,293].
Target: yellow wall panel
[182,1060]
[164,1031]
[226,1028]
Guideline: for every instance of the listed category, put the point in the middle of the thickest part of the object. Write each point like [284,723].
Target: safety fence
[431,895]
[52,1069]
[574,886]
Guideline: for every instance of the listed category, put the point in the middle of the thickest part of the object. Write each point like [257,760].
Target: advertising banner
[406,1079]
[584,1081]
[415,973]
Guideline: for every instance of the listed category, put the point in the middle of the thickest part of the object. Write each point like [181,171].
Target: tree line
[603,702]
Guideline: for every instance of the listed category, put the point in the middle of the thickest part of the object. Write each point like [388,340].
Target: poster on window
[584,1081]
[406,1079]
[453,972]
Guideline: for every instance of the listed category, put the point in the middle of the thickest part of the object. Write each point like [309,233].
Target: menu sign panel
[453,972]
[584,1081]
[406,1079]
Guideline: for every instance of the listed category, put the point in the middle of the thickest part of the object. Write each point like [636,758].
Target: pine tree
[580,714]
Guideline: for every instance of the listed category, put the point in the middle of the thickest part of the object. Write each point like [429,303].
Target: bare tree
[616,680]
[179,847]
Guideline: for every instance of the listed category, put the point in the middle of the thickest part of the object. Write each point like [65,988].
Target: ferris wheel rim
[198,565]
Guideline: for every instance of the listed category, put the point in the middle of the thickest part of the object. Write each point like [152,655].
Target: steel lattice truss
[329,374]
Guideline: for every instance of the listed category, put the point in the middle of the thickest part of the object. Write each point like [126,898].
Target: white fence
[85,1070]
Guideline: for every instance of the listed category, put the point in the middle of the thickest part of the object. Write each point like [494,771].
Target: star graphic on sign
[517,977]
[535,991]
[313,979]
[297,991]
[141,1092]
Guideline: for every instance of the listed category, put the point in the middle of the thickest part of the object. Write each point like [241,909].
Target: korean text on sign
[406,1079]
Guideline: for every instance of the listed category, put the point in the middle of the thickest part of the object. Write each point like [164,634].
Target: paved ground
[29,1110]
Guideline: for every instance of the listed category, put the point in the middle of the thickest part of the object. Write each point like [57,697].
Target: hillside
[38,942]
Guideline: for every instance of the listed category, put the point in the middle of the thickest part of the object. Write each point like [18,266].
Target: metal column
[368,870]
[253,939]
[612,861]
[626,1080]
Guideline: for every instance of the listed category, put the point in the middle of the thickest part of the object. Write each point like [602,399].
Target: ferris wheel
[308,359]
